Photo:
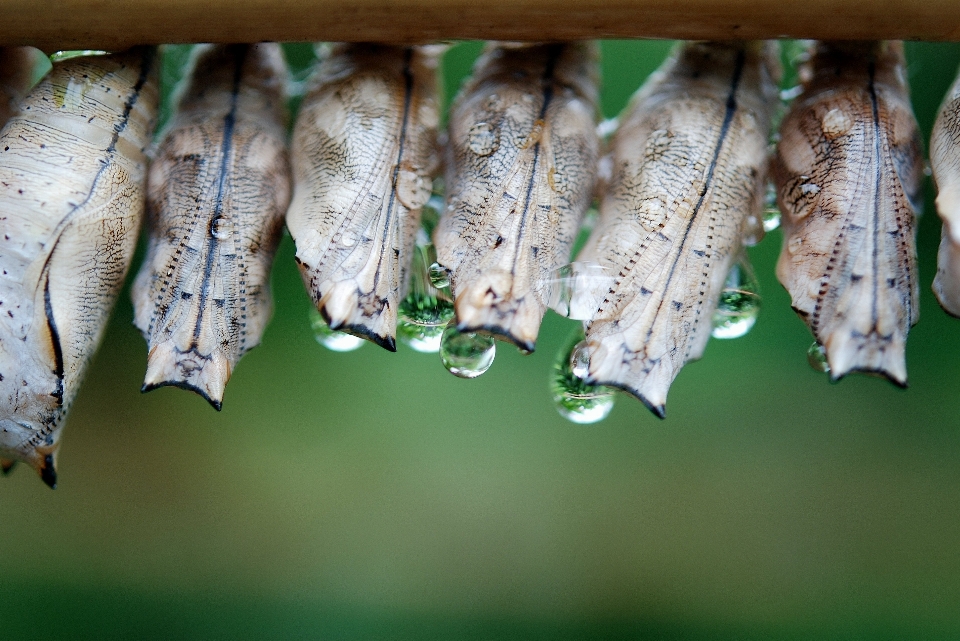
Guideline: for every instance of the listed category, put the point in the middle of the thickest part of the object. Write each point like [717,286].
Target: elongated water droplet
[771,213]
[220,228]
[574,399]
[576,290]
[331,339]
[466,354]
[739,303]
[817,357]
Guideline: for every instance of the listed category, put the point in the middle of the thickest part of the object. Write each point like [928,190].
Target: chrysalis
[17,68]
[216,197]
[71,190]
[363,154]
[945,162]
[688,168]
[848,171]
[521,173]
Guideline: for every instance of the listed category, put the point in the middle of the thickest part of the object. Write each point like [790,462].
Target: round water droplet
[574,399]
[421,321]
[413,190]
[483,139]
[739,303]
[220,228]
[817,357]
[466,355]
[439,276]
[771,218]
[333,340]
[349,238]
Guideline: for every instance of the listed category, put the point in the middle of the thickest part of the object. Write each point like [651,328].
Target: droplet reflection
[466,354]
[331,339]
[574,399]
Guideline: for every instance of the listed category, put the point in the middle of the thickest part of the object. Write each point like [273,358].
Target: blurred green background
[371,495]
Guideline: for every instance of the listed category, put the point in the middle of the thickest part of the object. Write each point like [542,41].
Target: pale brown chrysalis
[216,196]
[945,162]
[688,164]
[363,154]
[848,172]
[520,175]
[72,166]
[17,68]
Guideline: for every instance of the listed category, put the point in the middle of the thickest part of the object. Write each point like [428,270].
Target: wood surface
[116,24]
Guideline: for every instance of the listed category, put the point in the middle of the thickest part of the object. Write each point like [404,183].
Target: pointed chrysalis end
[206,375]
[48,471]
[514,321]
[6,465]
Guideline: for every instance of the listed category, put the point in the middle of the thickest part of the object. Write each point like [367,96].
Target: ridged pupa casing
[72,167]
[688,165]
[521,171]
[363,155]
[945,163]
[217,193]
[848,172]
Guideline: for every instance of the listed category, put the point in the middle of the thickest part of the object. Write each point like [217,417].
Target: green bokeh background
[371,495]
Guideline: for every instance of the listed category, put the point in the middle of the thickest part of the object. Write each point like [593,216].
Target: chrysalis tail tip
[877,373]
[216,403]
[48,472]
[526,346]
[6,465]
[658,409]
[386,341]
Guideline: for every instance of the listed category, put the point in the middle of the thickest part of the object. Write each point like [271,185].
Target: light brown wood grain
[116,24]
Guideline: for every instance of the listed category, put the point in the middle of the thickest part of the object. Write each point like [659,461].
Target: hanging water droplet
[220,228]
[483,139]
[466,354]
[439,276]
[422,320]
[331,339]
[349,238]
[575,290]
[739,303]
[817,357]
[574,399]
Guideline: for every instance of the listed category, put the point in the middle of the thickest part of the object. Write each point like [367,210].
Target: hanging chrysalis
[848,172]
[688,169]
[363,154]
[945,162]
[216,196]
[72,167]
[521,173]
[17,68]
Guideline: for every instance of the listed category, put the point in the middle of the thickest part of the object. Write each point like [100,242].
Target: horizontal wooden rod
[116,24]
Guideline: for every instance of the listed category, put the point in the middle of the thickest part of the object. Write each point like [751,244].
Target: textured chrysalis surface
[216,196]
[945,162]
[688,166]
[72,168]
[848,172]
[363,155]
[17,67]
[520,175]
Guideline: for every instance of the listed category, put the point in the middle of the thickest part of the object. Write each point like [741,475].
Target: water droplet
[574,399]
[413,190]
[739,303]
[817,357]
[466,354]
[422,320]
[576,290]
[771,213]
[333,340]
[835,123]
[439,276]
[349,238]
[220,228]
[809,189]
[483,139]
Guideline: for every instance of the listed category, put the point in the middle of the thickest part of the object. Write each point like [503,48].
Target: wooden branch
[116,24]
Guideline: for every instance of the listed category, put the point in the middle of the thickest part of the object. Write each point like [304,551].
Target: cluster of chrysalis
[385,255]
